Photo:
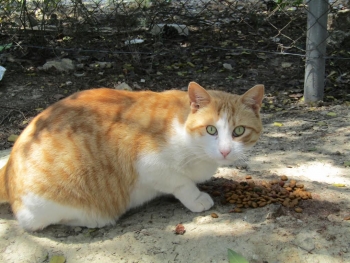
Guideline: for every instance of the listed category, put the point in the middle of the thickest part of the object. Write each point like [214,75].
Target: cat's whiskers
[192,159]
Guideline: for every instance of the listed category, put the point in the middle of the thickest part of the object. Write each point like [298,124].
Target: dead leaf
[190,64]
[332,114]
[321,123]
[278,124]
[57,259]
[312,149]
[12,138]
[339,185]
[296,95]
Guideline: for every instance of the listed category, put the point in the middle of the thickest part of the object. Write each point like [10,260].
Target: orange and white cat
[92,156]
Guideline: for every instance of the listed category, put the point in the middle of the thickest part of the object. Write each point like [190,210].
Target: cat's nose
[225,152]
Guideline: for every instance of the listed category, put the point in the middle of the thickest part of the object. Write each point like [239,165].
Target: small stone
[123,86]
[305,241]
[248,177]
[286,64]
[64,64]
[227,66]
[77,229]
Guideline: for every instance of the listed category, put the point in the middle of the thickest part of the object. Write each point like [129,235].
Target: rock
[77,229]
[2,72]
[286,64]
[304,241]
[134,41]
[64,64]
[227,66]
[181,29]
[123,86]
[101,65]
[338,24]
[58,96]
[275,211]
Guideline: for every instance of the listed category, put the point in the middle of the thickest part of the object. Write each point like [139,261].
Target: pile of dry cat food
[251,194]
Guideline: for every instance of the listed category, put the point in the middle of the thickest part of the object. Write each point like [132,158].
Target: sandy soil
[311,147]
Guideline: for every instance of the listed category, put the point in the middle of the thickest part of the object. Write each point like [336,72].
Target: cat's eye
[212,130]
[238,131]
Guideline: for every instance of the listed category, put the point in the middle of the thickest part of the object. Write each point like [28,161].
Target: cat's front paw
[202,203]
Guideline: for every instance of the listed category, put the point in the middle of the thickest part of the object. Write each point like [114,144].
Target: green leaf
[181,74]
[347,163]
[12,138]
[190,64]
[57,259]
[332,114]
[339,185]
[278,124]
[321,123]
[234,257]
[6,46]
[312,149]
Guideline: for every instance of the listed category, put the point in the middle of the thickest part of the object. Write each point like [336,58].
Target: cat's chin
[225,162]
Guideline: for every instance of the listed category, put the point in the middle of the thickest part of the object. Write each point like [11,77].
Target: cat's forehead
[227,109]
[224,120]
[233,112]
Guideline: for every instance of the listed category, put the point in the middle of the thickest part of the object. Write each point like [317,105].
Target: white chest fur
[174,170]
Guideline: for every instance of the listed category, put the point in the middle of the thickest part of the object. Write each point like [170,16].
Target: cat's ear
[253,97]
[199,97]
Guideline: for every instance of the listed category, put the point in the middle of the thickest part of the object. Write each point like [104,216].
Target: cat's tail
[4,197]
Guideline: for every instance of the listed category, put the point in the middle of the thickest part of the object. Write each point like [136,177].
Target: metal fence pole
[315,50]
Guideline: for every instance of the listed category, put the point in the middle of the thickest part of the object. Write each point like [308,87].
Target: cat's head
[223,126]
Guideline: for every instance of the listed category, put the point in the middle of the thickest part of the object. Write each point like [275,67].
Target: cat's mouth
[225,161]
[232,159]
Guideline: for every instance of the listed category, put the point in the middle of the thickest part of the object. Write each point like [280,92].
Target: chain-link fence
[192,39]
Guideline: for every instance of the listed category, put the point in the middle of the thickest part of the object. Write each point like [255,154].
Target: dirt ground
[311,147]
[309,144]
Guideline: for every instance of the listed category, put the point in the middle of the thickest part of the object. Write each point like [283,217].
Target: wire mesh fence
[226,40]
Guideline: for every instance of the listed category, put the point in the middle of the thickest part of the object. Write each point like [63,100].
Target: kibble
[214,215]
[284,178]
[251,194]
[298,210]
